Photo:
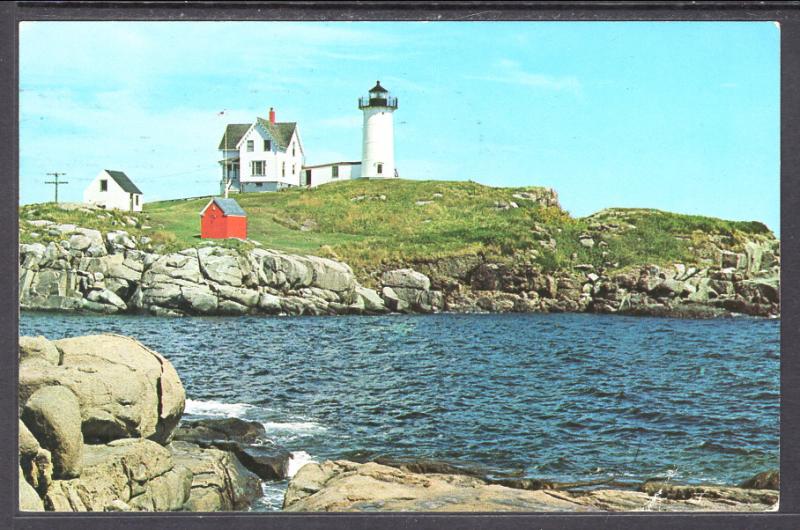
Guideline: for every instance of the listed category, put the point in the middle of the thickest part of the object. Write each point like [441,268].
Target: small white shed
[113,190]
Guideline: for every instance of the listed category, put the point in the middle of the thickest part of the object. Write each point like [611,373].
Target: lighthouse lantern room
[377,159]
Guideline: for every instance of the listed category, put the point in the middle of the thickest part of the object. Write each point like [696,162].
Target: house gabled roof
[124,182]
[233,133]
[281,132]
[229,207]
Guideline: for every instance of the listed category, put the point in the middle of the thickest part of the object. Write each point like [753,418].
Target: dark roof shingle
[123,181]
[281,132]
[233,133]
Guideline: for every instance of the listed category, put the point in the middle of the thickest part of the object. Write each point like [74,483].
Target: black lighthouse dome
[378,97]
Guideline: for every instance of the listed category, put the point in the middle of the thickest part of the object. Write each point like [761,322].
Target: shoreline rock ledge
[97,419]
[352,487]
[119,274]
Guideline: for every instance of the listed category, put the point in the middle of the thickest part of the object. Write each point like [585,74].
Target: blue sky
[671,115]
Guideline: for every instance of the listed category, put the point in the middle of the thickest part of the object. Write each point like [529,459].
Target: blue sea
[567,397]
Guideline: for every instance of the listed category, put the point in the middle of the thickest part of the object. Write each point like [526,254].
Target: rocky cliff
[111,272]
[97,419]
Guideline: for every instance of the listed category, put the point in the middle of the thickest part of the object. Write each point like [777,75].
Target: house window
[335,172]
[283,169]
[380,169]
[136,200]
[250,146]
[104,185]
[292,149]
[259,184]
[267,145]
[293,169]
[257,168]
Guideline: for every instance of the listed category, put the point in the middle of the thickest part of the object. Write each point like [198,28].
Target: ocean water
[568,397]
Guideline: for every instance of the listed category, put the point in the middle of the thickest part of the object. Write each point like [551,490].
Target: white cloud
[511,72]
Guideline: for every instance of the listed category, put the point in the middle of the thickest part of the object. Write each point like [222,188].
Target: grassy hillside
[367,222]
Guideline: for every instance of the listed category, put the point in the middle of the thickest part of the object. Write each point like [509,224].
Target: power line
[55,182]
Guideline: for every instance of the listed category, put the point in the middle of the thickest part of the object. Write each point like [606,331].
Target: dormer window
[250,146]
[103,185]
[267,145]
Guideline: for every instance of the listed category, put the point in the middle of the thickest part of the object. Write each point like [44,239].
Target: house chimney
[271,115]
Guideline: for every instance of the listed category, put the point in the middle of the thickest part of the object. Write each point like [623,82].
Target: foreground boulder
[769,480]
[35,462]
[53,416]
[29,500]
[219,481]
[123,388]
[38,349]
[348,486]
[124,475]
[246,439]
[97,416]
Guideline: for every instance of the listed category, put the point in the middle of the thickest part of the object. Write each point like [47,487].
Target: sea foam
[293,426]
[216,409]
[296,461]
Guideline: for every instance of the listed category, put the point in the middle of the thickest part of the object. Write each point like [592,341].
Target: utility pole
[56,174]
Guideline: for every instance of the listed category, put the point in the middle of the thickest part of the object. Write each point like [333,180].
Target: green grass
[369,222]
[463,220]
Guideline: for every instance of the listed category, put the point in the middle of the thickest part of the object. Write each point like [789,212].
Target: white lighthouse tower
[377,158]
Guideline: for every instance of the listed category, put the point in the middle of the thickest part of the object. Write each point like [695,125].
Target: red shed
[223,218]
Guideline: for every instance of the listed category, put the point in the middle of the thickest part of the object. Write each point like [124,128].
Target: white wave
[216,409]
[296,461]
[271,500]
[293,426]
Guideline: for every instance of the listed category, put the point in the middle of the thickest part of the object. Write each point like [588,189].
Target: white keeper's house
[261,156]
[113,190]
[267,155]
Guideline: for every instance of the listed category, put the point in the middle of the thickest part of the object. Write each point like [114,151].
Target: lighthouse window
[335,172]
[267,145]
[250,146]
[380,169]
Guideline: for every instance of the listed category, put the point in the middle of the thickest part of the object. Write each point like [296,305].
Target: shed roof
[228,206]
[124,182]
[233,133]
